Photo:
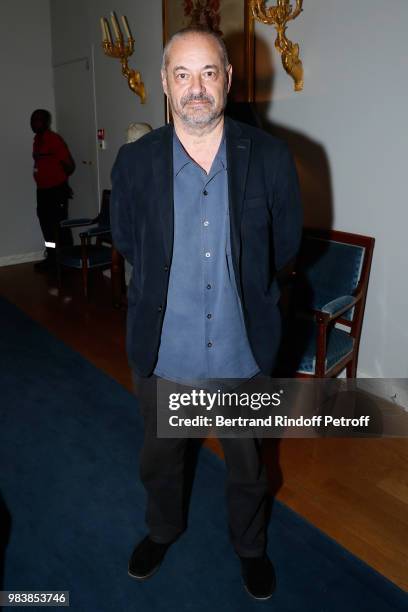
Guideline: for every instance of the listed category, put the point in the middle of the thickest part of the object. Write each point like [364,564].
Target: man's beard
[199,117]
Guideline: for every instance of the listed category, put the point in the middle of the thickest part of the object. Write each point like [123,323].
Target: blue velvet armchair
[329,290]
[95,251]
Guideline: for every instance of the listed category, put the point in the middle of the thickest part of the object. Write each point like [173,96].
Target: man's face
[195,81]
[39,123]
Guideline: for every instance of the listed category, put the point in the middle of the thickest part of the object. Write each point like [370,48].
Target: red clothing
[49,150]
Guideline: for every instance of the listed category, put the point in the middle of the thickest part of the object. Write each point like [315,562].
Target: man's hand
[68,165]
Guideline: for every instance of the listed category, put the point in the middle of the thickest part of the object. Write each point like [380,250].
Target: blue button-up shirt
[203,334]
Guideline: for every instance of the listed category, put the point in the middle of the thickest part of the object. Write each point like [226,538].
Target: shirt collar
[181,158]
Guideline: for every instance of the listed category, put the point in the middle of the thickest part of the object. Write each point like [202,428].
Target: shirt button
[208,286]
[208,254]
[209,315]
[205,192]
[209,344]
[206,223]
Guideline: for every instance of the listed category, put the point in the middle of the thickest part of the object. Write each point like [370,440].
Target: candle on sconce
[107,32]
[103,30]
[126,26]
[122,50]
[115,25]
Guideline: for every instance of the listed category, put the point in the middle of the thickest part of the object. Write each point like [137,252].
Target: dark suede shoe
[259,576]
[146,558]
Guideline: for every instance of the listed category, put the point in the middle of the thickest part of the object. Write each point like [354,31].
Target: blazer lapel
[238,152]
[162,154]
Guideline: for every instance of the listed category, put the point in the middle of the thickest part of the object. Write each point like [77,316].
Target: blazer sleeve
[121,207]
[287,211]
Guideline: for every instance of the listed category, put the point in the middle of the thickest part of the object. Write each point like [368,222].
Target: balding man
[207,210]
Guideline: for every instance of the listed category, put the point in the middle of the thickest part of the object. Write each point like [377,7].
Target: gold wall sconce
[279,16]
[122,50]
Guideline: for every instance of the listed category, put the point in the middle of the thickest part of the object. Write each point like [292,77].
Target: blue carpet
[69,439]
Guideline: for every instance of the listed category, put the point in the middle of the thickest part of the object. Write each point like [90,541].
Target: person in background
[53,164]
[137,130]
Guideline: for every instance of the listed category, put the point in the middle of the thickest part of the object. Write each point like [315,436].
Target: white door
[75,122]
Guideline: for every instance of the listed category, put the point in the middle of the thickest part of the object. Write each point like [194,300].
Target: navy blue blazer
[265,217]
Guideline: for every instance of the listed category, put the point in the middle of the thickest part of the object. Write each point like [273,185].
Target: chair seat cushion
[339,344]
[76,222]
[98,256]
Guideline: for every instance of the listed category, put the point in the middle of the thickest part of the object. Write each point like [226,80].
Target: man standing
[53,164]
[206,210]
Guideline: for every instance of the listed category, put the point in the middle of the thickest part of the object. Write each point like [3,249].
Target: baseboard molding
[12,260]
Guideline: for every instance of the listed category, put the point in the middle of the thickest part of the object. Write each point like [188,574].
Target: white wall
[76,33]
[25,51]
[349,132]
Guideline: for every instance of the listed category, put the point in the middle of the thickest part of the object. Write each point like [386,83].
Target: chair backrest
[103,219]
[332,264]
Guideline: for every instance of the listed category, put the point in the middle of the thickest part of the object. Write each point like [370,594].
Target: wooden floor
[355,490]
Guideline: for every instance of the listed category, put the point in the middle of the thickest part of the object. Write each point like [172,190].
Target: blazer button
[166,268]
[160,308]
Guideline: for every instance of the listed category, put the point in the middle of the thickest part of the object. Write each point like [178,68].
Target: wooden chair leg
[84,244]
[58,260]
[85,281]
[59,278]
[117,275]
[351,368]
[116,288]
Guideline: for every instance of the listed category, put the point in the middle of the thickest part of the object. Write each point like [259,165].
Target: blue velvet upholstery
[77,222]
[99,230]
[329,270]
[337,304]
[339,344]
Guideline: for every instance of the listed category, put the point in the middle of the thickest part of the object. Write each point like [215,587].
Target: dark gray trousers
[162,469]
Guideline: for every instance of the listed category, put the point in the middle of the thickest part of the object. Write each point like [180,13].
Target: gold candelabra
[279,16]
[122,50]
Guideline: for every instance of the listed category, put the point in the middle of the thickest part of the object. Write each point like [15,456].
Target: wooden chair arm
[327,317]
[322,320]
